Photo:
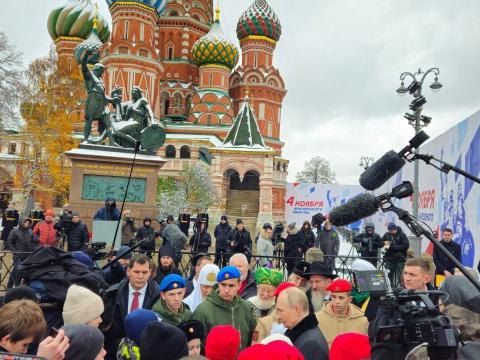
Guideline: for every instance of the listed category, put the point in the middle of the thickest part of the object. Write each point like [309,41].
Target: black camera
[277,233]
[96,251]
[419,320]
[202,218]
[318,220]
[129,220]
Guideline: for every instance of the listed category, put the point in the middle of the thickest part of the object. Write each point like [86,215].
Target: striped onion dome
[259,20]
[74,18]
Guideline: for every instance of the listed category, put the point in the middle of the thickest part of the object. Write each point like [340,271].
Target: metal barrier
[343,265]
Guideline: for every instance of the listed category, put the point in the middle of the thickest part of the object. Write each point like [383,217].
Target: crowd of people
[60,305]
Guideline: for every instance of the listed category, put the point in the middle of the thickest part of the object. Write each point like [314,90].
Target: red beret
[282,286]
[276,350]
[350,346]
[340,285]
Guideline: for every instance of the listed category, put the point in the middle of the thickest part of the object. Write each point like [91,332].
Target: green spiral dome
[74,18]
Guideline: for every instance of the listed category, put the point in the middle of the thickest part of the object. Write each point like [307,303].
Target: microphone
[389,164]
[357,208]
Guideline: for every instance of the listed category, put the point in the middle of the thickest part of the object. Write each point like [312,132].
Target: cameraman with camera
[416,277]
[395,252]
[369,242]
[239,240]
[265,246]
[201,239]
[128,228]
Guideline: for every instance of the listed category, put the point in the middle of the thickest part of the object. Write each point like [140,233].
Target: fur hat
[81,305]
[19,293]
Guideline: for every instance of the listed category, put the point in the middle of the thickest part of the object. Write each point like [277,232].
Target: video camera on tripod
[202,218]
[418,320]
[277,234]
[96,250]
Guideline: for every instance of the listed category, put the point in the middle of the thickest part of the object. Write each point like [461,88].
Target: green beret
[268,276]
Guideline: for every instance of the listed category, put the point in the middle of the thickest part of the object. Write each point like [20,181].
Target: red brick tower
[132,58]
[258,30]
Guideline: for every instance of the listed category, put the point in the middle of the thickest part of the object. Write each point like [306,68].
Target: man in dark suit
[137,291]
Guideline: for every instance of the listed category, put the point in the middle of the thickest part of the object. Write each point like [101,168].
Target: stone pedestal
[101,171]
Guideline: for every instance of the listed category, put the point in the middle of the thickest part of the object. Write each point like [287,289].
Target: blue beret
[227,273]
[172,282]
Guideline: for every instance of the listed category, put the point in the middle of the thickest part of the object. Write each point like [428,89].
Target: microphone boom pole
[137,148]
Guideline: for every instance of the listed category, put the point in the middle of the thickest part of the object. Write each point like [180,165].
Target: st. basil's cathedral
[214,109]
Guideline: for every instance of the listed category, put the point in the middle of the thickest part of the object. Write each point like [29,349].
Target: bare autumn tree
[11,83]
[316,171]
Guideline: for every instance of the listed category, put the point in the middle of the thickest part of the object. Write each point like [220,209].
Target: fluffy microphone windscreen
[358,207]
[381,170]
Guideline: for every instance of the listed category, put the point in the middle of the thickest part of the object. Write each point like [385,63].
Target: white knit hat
[81,306]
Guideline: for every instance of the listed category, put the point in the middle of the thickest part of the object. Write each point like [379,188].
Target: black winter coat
[369,244]
[120,306]
[77,237]
[242,242]
[398,247]
[200,242]
[308,339]
[250,289]
[221,233]
[21,240]
[442,262]
[57,270]
[308,238]
[293,243]
[142,233]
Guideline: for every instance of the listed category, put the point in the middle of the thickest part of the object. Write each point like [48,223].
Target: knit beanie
[350,346]
[19,293]
[161,340]
[137,321]
[80,256]
[85,342]
[222,343]
[81,305]
[276,337]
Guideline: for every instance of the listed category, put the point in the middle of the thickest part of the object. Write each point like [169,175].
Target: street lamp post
[366,161]
[415,118]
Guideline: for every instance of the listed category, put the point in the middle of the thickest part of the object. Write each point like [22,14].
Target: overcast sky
[341,61]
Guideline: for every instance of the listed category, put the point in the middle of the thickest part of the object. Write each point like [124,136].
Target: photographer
[143,232]
[395,253]
[369,242]
[109,212]
[128,228]
[200,240]
[239,240]
[221,232]
[77,233]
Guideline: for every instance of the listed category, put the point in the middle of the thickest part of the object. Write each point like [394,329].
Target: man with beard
[248,287]
[267,281]
[303,330]
[109,212]
[299,275]
[340,316]
[321,276]
[165,264]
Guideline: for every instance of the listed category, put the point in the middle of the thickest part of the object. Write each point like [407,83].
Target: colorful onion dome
[259,20]
[93,45]
[74,18]
[215,48]
[157,5]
